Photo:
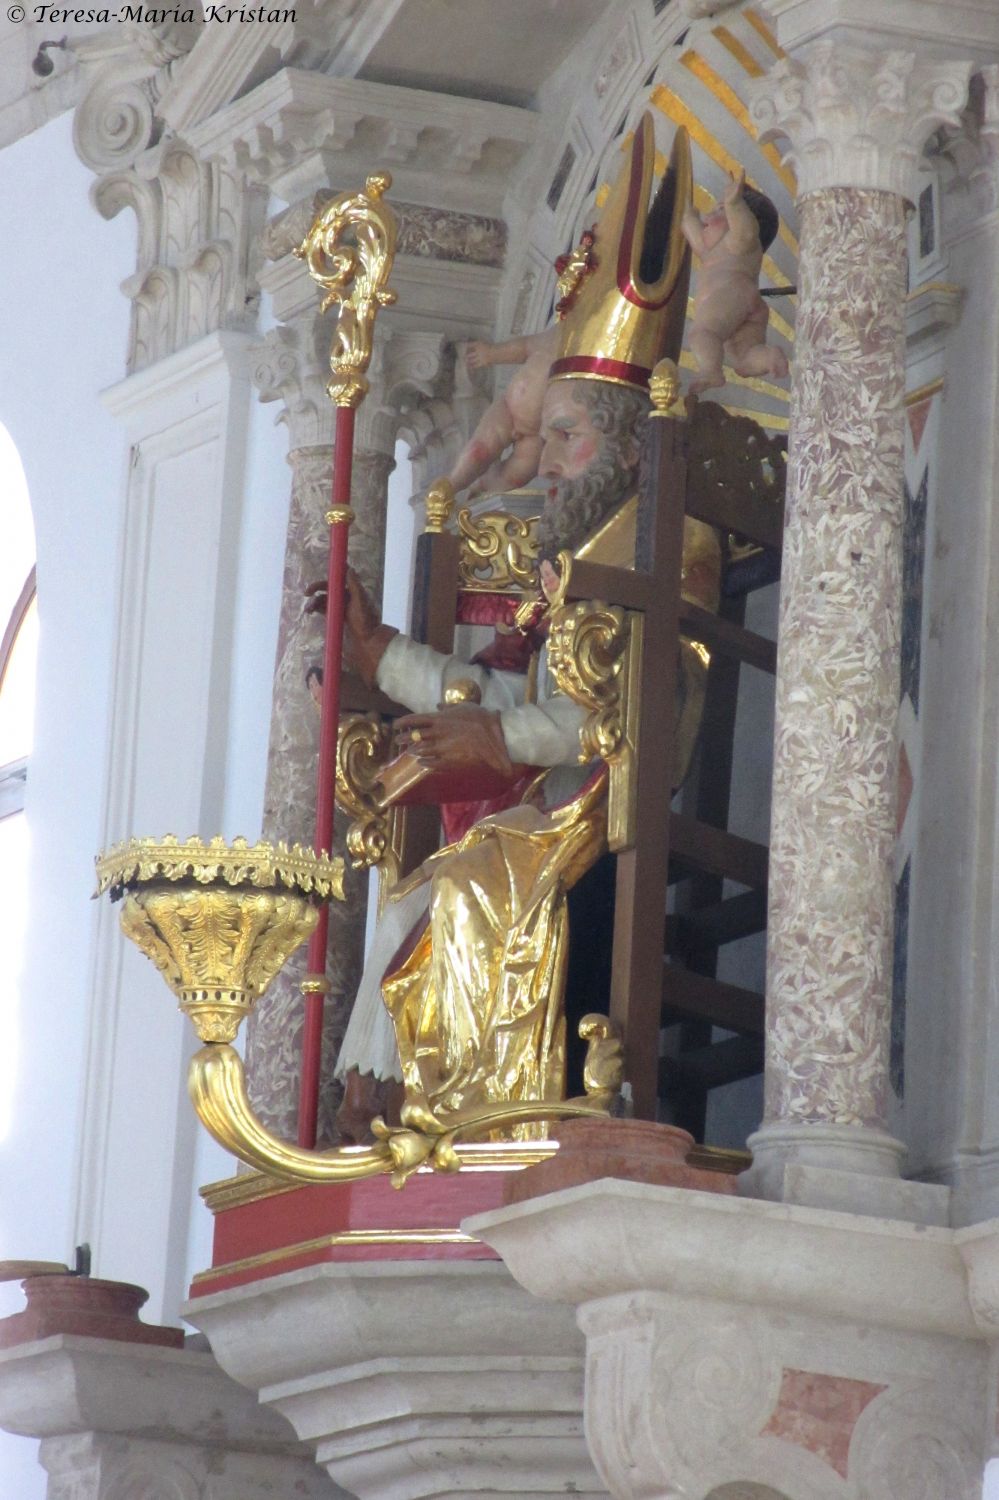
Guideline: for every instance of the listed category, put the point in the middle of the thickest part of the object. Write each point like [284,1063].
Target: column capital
[856,117]
[291,367]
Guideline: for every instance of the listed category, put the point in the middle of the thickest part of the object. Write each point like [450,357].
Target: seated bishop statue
[462,996]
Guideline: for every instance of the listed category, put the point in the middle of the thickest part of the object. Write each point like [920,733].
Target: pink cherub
[730,316]
[513,420]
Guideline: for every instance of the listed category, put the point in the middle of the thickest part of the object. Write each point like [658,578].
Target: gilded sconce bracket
[219,921]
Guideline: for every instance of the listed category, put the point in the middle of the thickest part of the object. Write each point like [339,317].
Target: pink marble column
[856,118]
[831,884]
[275,1029]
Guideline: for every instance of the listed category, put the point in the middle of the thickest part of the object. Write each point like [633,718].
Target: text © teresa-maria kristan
[145,14]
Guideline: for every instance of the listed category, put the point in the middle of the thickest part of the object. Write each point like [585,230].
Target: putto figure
[512,421]
[730,316]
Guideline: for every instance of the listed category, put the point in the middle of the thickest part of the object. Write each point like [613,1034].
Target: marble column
[856,118]
[291,369]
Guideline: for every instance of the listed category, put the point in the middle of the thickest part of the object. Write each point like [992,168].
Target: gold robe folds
[477,1003]
[477,1006]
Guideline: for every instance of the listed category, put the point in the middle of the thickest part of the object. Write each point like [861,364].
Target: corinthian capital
[292,367]
[857,118]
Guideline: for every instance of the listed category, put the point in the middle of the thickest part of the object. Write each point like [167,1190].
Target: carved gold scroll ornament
[595,654]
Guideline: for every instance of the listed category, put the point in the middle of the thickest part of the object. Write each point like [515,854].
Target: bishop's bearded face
[590,431]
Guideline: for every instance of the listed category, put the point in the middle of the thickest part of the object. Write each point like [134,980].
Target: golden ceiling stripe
[741,53]
[780,324]
[763,30]
[727,96]
[674,108]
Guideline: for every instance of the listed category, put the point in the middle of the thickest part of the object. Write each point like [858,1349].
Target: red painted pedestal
[265,1228]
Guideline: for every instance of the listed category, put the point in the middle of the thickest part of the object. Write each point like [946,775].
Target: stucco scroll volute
[197,219]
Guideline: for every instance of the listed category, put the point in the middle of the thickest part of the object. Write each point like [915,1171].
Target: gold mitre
[625,287]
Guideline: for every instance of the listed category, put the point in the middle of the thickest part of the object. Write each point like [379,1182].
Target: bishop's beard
[574,508]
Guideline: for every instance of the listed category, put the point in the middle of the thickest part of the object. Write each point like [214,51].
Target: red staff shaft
[336,602]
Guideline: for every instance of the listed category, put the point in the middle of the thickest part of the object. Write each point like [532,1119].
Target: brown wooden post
[642,872]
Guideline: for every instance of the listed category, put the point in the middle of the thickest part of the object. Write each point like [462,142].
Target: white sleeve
[536,734]
[544,734]
[417,676]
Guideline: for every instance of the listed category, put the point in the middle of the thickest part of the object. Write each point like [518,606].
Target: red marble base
[79,1304]
[634,1150]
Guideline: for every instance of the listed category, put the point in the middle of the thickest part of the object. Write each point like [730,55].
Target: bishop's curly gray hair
[575,507]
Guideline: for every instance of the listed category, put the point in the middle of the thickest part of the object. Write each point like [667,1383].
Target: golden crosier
[349,251]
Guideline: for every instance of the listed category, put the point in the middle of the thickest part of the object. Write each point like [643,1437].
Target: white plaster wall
[64,332]
[65,326]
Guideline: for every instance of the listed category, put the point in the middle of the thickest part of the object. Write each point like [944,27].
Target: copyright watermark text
[150,15]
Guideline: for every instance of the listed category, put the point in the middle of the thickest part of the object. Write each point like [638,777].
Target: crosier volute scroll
[219,921]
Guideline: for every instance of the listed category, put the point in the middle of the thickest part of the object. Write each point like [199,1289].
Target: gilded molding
[586,643]
[439,505]
[595,655]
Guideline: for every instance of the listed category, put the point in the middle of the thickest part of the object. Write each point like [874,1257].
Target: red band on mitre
[602,369]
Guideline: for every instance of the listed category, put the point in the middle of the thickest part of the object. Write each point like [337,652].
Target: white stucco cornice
[454,297]
[301,129]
